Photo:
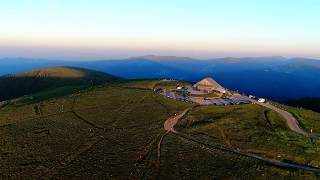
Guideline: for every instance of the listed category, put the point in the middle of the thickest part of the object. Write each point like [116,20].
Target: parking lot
[202,101]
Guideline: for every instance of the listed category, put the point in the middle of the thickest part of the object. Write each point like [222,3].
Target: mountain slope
[308,103]
[13,86]
[117,132]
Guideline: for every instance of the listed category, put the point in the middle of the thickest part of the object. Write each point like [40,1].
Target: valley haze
[273,77]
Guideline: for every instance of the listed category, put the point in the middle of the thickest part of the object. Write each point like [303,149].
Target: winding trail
[169,127]
[159,148]
[172,121]
[292,122]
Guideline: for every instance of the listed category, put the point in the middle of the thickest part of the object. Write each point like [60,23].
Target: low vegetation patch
[184,159]
[309,120]
[141,84]
[169,85]
[251,128]
[108,131]
[112,132]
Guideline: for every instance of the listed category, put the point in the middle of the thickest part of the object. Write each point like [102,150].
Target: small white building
[179,88]
[262,100]
[251,97]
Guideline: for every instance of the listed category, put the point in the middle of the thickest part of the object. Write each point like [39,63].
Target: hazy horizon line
[146,56]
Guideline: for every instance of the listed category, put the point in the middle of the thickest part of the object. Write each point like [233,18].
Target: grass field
[108,127]
[183,159]
[251,128]
[141,84]
[112,132]
[169,85]
[307,119]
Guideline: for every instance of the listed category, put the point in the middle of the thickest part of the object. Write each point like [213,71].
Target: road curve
[292,122]
[273,162]
[172,121]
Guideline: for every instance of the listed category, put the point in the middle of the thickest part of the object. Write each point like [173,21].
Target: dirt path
[273,162]
[172,121]
[159,148]
[169,127]
[292,122]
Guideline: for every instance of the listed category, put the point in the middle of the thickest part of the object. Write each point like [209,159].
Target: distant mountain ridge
[163,58]
[307,103]
[274,77]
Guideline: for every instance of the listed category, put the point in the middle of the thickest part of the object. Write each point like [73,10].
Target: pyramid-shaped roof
[209,82]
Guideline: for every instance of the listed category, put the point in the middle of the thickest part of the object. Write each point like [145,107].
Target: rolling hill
[51,79]
[275,77]
[117,132]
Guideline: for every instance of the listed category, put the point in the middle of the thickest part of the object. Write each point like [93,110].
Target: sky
[104,29]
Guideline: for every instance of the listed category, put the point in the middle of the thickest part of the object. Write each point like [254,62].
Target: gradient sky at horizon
[100,29]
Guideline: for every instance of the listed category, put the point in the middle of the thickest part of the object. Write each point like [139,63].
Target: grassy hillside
[113,131]
[172,85]
[308,120]
[57,80]
[251,128]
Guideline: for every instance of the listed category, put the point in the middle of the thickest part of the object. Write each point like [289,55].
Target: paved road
[291,120]
[172,121]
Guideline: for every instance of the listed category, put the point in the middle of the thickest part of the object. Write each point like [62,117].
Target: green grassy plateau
[112,131]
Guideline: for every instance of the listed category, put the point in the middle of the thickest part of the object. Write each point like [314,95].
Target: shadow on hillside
[13,87]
